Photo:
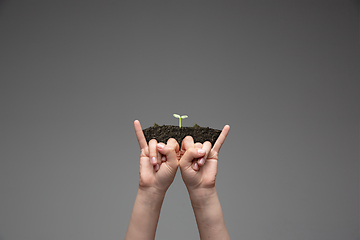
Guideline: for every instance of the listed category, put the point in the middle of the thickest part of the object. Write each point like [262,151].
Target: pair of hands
[159,161]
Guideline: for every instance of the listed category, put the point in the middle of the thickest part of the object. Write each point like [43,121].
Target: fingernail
[153,160]
[201,161]
[163,158]
[160,145]
[156,168]
[196,166]
[201,151]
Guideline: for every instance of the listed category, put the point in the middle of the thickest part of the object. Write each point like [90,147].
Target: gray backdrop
[76,74]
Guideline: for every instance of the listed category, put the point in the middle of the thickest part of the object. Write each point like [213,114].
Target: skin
[158,166]
[199,176]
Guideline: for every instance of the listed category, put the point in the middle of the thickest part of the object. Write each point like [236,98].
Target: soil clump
[164,132]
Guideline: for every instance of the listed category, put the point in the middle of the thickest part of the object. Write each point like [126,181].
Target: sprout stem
[179,117]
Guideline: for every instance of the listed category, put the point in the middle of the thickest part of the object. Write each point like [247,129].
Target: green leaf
[184,116]
[176,115]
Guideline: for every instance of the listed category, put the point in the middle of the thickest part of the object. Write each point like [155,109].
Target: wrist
[202,197]
[151,194]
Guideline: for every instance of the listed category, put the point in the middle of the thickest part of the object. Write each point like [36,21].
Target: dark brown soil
[164,132]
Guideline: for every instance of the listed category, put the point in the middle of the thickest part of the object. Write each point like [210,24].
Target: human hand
[158,165]
[198,163]
[158,162]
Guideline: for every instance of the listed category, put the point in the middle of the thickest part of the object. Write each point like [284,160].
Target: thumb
[190,155]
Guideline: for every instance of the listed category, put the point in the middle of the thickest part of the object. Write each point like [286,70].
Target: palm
[150,177]
[208,171]
[160,179]
[205,176]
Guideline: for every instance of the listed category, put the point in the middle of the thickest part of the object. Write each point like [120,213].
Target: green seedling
[180,117]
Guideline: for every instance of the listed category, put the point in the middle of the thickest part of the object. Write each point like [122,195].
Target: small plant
[180,117]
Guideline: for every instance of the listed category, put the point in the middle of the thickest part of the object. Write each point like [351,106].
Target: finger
[196,167]
[153,153]
[198,145]
[190,155]
[170,151]
[221,139]
[207,147]
[172,143]
[156,167]
[159,157]
[140,135]
[187,142]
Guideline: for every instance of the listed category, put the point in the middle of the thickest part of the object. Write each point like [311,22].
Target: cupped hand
[198,163]
[158,162]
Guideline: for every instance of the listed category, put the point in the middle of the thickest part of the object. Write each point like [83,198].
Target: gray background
[76,74]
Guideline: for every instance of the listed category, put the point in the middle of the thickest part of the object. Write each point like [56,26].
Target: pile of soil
[164,132]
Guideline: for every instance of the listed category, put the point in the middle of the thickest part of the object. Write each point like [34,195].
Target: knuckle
[188,139]
[172,143]
[172,140]
[153,141]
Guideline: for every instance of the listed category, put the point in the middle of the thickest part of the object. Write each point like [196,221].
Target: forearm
[208,214]
[145,215]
